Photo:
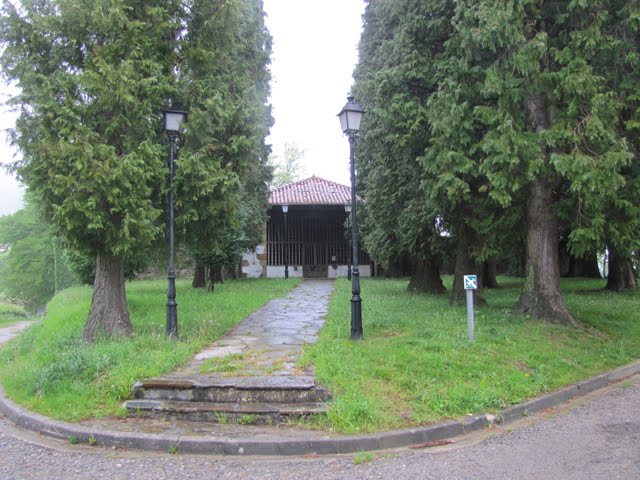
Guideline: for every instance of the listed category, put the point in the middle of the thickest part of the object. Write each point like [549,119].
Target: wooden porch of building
[314,242]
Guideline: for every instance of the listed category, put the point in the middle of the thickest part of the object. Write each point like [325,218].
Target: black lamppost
[347,209]
[172,120]
[285,209]
[350,118]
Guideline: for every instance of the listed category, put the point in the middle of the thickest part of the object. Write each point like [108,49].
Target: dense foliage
[494,127]
[222,173]
[288,169]
[51,370]
[94,77]
[35,264]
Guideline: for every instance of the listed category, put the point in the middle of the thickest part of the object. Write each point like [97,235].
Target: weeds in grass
[352,412]
[363,457]
[50,369]
[225,364]
[277,365]
[249,419]
[415,366]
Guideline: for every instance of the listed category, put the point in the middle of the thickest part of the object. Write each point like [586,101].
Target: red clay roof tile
[311,191]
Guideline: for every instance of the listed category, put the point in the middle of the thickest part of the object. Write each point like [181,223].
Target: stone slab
[282,382]
[289,409]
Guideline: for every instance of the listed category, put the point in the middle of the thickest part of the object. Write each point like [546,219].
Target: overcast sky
[10,191]
[314,54]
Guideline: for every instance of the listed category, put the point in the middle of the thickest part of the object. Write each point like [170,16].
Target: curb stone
[321,446]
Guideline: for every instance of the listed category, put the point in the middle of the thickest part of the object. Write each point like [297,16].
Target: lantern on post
[285,209]
[350,118]
[173,120]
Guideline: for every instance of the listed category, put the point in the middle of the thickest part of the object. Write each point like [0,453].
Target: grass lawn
[10,313]
[416,366]
[50,370]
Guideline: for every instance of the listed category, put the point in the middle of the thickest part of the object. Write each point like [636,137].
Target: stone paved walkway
[269,341]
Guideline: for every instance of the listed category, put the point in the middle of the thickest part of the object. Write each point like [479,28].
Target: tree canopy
[221,175]
[287,170]
[94,77]
[486,119]
[35,264]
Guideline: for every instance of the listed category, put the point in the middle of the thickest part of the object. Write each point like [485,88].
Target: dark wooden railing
[312,240]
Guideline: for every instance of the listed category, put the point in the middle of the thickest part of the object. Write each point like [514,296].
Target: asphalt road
[597,437]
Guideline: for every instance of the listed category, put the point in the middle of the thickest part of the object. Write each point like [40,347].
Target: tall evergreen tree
[619,223]
[94,77]
[222,169]
[393,81]
[547,116]
[491,115]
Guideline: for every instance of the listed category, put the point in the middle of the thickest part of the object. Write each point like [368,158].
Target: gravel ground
[593,438]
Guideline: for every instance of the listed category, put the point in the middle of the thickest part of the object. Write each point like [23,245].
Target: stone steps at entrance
[219,412]
[210,398]
[216,389]
[264,380]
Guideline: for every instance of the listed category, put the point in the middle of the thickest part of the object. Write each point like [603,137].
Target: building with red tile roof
[311,191]
[307,237]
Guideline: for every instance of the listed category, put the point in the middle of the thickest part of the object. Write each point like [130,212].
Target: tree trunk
[516,264]
[583,267]
[464,266]
[108,315]
[490,274]
[211,279]
[621,275]
[564,257]
[234,272]
[219,275]
[398,267]
[541,297]
[199,277]
[426,277]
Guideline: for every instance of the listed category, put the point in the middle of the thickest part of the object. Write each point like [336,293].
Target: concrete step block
[283,389]
[259,412]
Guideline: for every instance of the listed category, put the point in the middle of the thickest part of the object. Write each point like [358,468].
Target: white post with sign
[470,284]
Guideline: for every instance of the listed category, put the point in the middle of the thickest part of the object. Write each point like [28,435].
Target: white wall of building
[251,266]
[365,270]
[277,271]
[341,271]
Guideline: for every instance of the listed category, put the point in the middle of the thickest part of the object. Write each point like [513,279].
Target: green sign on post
[470,284]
